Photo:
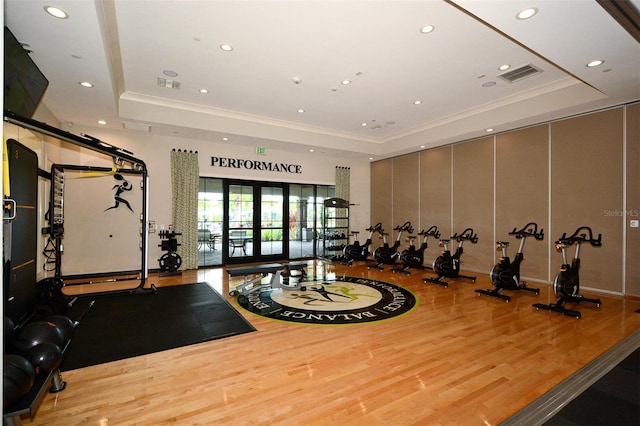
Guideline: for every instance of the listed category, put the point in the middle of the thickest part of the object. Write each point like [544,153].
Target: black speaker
[20,238]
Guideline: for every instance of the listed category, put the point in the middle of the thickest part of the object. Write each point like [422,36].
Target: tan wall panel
[435,190]
[406,196]
[587,182]
[522,195]
[473,200]
[633,200]
[381,193]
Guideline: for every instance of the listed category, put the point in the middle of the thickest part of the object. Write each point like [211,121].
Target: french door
[247,221]
[255,213]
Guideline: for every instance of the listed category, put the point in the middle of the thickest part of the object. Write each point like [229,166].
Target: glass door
[246,221]
[301,221]
[240,219]
[272,229]
[210,222]
[257,229]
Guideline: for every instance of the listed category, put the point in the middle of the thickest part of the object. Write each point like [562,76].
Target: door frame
[256,255]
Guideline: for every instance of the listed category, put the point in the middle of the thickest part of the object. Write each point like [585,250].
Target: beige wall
[561,175]
[522,194]
[473,200]
[435,190]
[382,194]
[632,208]
[586,182]
[406,191]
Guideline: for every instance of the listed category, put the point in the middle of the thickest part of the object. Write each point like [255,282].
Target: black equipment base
[438,280]
[559,307]
[407,269]
[496,292]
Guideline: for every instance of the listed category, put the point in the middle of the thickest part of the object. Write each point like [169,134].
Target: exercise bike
[566,285]
[386,254]
[413,257]
[357,251]
[447,265]
[505,275]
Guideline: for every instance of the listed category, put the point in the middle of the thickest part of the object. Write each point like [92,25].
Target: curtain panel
[343,183]
[185,183]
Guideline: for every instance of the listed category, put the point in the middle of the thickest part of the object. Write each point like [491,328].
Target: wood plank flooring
[457,359]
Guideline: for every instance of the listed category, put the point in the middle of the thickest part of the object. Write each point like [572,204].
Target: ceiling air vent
[171,84]
[520,73]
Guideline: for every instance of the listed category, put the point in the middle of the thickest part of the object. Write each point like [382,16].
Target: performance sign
[267,166]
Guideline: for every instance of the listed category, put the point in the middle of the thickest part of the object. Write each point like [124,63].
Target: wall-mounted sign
[267,166]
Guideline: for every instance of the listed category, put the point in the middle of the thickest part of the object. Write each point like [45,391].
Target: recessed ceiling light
[527,13]
[417,102]
[427,29]
[300,110]
[489,84]
[225,139]
[489,129]
[85,84]
[423,146]
[504,67]
[312,150]
[203,91]
[364,124]
[56,12]
[170,73]
[595,63]
[226,47]
[102,122]
[345,82]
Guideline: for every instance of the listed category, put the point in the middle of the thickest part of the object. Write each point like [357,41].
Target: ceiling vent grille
[171,84]
[520,73]
[136,126]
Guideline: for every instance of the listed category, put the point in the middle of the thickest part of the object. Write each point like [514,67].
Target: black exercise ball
[45,357]
[35,333]
[18,376]
[64,323]
[8,327]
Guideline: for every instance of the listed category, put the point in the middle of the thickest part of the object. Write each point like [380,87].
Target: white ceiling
[123,46]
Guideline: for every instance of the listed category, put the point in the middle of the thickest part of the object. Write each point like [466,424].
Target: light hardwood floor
[457,359]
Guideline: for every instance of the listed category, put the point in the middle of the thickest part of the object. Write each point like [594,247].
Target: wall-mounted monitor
[24,83]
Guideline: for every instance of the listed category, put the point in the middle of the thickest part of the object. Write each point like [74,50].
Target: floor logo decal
[346,300]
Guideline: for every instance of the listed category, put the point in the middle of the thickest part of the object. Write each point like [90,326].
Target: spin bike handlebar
[405,227]
[580,236]
[529,230]
[432,232]
[375,227]
[467,234]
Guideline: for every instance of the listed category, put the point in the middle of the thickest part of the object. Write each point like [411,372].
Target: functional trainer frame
[123,160]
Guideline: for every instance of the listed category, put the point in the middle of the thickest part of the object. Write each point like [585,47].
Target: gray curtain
[185,180]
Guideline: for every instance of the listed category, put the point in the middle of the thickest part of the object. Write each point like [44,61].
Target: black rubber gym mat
[613,400]
[127,325]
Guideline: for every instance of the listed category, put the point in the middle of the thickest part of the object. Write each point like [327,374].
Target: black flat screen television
[24,83]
